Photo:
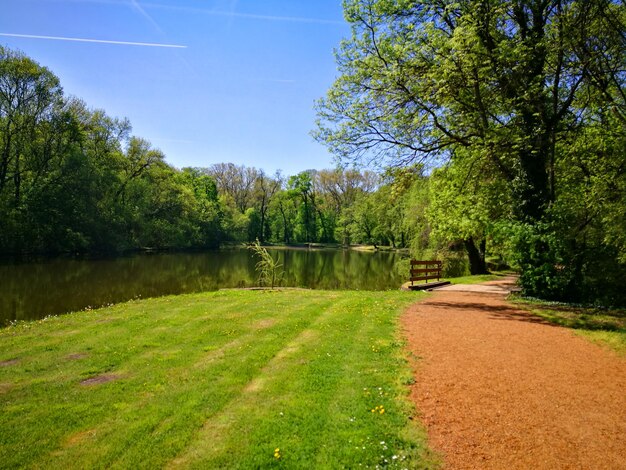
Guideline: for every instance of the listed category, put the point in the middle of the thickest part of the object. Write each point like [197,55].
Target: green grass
[213,380]
[605,327]
[475,279]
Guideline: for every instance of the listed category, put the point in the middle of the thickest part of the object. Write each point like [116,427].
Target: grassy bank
[605,327]
[229,379]
[474,279]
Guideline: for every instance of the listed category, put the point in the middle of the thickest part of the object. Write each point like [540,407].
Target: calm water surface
[36,289]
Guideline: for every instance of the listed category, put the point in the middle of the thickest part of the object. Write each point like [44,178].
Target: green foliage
[606,327]
[74,179]
[300,188]
[557,266]
[365,223]
[519,109]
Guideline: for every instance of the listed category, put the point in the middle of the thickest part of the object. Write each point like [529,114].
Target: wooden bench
[427,271]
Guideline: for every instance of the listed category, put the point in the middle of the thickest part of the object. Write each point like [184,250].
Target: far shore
[32,256]
[324,246]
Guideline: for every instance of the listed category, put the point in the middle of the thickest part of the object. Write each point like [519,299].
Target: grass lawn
[474,279]
[606,327]
[227,379]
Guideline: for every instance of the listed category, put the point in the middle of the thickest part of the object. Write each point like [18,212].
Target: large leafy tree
[421,78]
[30,109]
[498,85]
[38,136]
[265,188]
[466,207]
[301,188]
[339,189]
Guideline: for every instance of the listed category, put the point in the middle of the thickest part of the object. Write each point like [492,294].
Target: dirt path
[499,388]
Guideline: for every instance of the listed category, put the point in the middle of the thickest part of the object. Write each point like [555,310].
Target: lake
[33,290]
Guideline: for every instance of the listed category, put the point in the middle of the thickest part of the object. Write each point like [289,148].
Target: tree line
[73,179]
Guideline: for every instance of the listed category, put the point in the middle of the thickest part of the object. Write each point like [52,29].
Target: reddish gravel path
[499,388]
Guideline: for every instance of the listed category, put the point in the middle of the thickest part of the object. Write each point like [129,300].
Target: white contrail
[99,41]
[135,6]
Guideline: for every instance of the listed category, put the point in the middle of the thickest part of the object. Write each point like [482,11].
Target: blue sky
[240,88]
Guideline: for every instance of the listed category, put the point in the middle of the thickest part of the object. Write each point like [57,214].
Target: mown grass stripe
[208,443]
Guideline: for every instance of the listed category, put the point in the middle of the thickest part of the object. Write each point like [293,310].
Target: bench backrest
[425,270]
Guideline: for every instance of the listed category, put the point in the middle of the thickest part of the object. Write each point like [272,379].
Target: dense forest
[73,179]
[496,130]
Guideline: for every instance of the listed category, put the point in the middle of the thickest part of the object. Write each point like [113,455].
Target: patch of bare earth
[101,379]
[75,356]
[500,388]
[78,438]
[64,333]
[264,324]
[8,363]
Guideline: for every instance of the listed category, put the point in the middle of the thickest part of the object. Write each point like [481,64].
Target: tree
[74,179]
[94,176]
[30,98]
[465,207]
[301,187]
[493,86]
[39,138]
[207,214]
[286,205]
[265,188]
[236,181]
[339,190]
[421,78]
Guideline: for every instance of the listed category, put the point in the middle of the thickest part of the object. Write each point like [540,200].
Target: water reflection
[36,289]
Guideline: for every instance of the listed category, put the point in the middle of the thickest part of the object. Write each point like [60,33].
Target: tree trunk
[286,237]
[262,239]
[476,256]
